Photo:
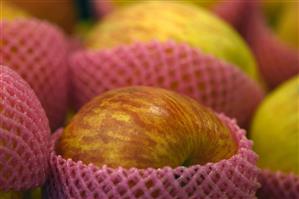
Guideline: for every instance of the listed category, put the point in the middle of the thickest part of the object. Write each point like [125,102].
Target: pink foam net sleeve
[24,134]
[38,51]
[232,178]
[278,185]
[169,65]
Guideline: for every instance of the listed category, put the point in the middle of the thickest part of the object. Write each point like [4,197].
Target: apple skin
[60,12]
[145,127]
[10,12]
[282,18]
[288,26]
[11,195]
[122,3]
[165,21]
[275,129]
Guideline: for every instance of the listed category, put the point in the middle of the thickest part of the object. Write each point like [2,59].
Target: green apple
[145,127]
[275,129]
[183,23]
[11,195]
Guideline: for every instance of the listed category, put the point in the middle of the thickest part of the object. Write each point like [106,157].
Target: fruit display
[277,118]
[149,99]
[163,21]
[176,53]
[24,136]
[273,37]
[38,51]
[169,65]
[142,137]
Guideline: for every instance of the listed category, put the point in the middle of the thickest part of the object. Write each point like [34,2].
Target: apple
[230,11]
[273,37]
[62,12]
[38,51]
[183,23]
[24,134]
[10,12]
[145,127]
[288,26]
[11,195]
[275,129]
[282,18]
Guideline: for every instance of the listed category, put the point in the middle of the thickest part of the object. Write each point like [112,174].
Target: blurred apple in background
[271,30]
[62,12]
[283,18]
[180,22]
[230,11]
[145,127]
[11,195]
[9,11]
[288,25]
[275,129]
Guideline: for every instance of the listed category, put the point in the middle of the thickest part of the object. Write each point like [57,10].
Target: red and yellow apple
[275,129]
[182,23]
[145,127]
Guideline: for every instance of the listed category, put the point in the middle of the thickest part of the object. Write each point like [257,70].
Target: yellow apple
[183,23]
[10,11]
[275,129]
[288,25]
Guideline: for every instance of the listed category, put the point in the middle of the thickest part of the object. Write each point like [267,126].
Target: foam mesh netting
[278,185]
[276,60]
[24,134]
[168,65]
[38,51]
[232,178]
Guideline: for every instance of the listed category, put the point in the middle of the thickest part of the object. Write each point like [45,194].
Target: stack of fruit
[159,94]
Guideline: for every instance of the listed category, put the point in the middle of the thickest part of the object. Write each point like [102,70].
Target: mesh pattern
[278,185]
[277,61]
[24,134]
[168,65]
[38,52]
[232,178]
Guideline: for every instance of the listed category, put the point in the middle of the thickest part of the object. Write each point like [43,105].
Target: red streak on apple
[145,127]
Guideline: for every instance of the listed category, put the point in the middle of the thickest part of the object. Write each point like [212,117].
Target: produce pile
[149,99]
